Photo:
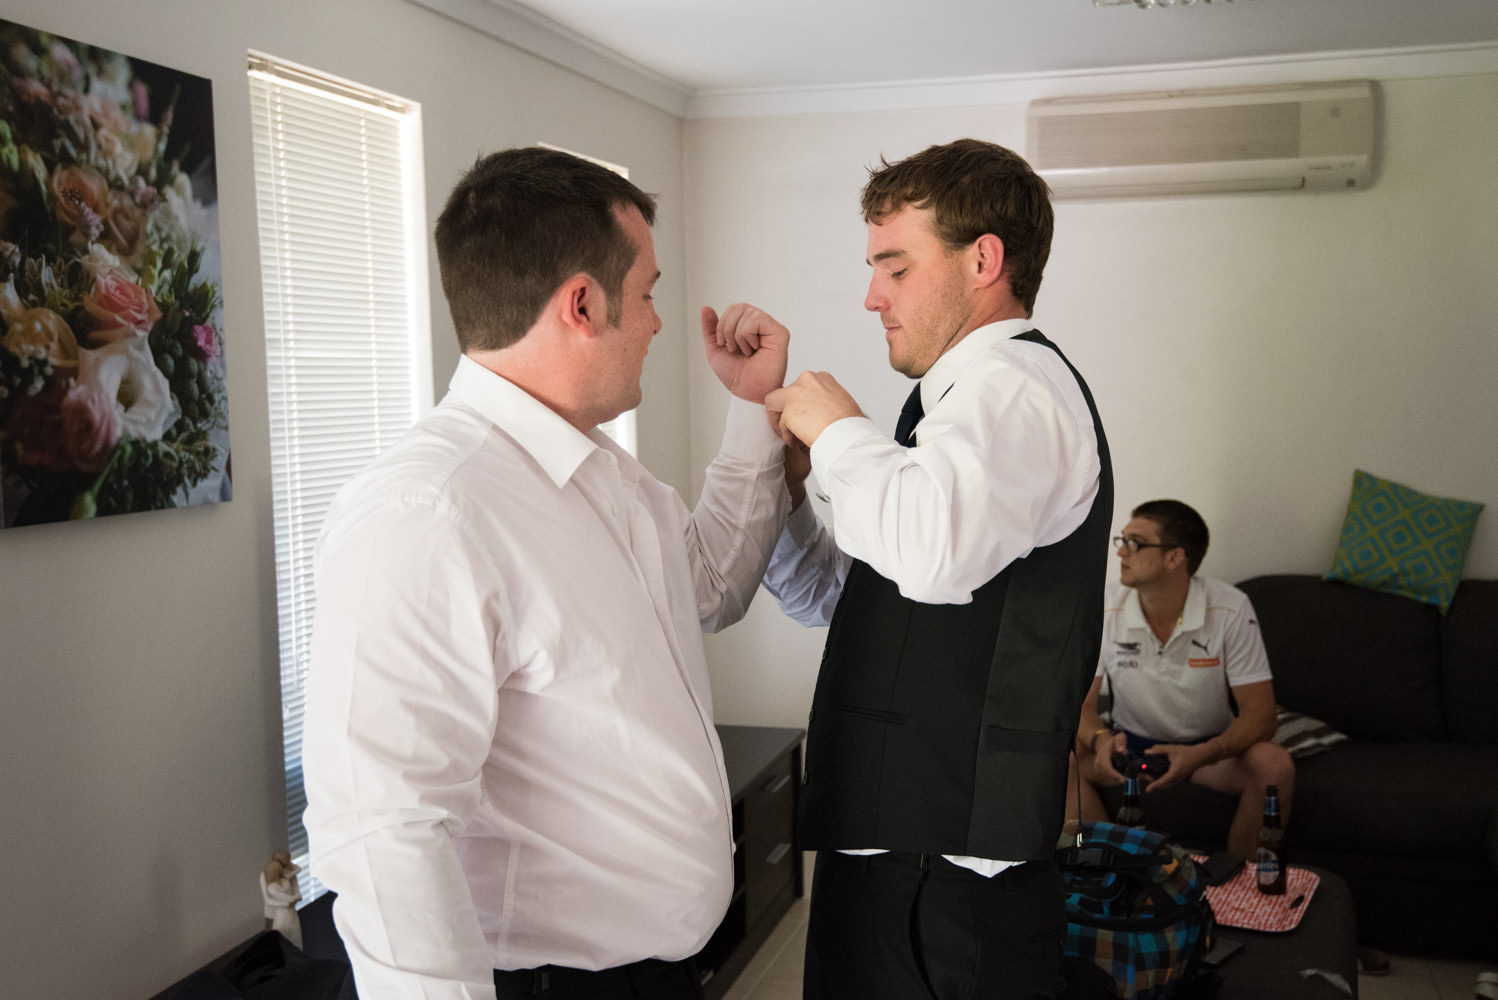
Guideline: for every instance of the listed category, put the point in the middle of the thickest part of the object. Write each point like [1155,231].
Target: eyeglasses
[1134,544]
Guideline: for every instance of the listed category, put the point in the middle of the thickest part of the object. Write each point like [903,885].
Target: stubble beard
[936,323]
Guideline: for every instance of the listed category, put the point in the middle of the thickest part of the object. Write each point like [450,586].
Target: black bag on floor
[1137,913]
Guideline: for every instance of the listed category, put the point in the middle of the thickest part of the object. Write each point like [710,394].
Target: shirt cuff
[837,437]
[802,524]
[747,435]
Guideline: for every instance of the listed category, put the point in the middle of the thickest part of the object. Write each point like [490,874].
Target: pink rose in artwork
[120,308]
[90,426]
[105,111]
[207,340]
[82,197]
[125,225]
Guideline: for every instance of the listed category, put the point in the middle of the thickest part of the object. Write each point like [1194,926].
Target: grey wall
[139,702]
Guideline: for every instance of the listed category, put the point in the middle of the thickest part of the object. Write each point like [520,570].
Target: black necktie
[910,415]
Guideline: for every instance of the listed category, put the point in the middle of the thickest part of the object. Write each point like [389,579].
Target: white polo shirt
[1176,691]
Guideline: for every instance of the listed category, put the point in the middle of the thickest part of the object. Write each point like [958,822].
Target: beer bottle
[1271,853]
[1131,813]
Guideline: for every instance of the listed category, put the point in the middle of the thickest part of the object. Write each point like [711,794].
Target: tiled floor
[1411,977]
[775,971]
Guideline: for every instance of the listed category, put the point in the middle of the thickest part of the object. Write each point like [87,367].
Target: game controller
[1149,765]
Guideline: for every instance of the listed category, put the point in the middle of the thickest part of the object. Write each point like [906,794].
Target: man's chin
[904,365]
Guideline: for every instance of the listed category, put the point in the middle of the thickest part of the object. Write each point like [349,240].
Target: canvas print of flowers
[112,393]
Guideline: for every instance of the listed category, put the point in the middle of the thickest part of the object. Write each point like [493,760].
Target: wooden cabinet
[764,781]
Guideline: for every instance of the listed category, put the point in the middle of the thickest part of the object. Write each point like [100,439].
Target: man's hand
[746,348]
[802,410]
[1102,771]
[1184,760]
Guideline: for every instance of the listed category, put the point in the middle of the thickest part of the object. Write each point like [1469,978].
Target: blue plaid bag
[1136,910]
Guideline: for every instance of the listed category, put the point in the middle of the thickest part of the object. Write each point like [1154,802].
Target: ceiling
[711,46]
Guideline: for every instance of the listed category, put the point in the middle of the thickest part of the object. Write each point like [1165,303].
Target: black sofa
[1406,810]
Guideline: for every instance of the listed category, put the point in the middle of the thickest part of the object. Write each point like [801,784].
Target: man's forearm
[807,571]
[1242,734]
[1090,730]
[737,519]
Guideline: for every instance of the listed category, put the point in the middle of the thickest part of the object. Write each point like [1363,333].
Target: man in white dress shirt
[964,597]
[1189,678]
[513,780]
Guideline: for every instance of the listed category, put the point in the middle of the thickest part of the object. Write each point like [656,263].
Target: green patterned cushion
[1402,541]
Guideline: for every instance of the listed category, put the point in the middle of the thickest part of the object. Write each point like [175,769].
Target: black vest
[945,728]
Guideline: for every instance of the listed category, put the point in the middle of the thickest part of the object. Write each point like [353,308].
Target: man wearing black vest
[964,593]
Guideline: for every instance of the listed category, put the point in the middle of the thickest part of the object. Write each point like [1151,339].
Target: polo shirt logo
[1203,661]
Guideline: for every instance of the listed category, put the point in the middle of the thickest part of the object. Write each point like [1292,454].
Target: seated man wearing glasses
[1185,665]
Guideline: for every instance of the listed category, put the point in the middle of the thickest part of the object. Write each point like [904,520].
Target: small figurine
[279,887]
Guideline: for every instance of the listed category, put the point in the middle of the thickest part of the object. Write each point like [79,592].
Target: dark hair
[1180,528]
[973,188]
[518,224]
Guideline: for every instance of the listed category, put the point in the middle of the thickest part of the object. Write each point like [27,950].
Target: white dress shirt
[1005,461]
[509,749]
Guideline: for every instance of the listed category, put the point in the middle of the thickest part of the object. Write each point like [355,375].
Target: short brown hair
[1180,526]
[973,187]
[517,225]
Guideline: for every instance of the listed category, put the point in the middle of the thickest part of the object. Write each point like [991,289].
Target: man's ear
[988,253]
[1175,558]
[581,305]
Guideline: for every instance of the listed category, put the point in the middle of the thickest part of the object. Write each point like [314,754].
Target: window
[347,329]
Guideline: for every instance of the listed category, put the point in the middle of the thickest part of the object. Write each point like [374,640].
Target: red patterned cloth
[1239,903]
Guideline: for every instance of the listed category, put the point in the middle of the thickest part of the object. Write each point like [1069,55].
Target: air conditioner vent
[1314,137]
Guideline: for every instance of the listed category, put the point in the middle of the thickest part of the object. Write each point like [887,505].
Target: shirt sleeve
[807,569]
[401,709]
[1243,648]
[731,533]
[1001,466]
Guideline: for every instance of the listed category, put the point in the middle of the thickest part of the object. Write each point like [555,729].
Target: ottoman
[1269,964]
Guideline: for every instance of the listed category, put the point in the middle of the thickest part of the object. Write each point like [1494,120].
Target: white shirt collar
[940,376]
[554,444]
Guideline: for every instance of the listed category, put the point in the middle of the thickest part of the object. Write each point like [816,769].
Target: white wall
[139,703]
[1247,352]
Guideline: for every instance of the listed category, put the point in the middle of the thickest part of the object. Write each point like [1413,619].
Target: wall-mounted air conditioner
[1296,137]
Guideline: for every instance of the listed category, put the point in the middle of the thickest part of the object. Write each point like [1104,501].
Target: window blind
[347,330]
